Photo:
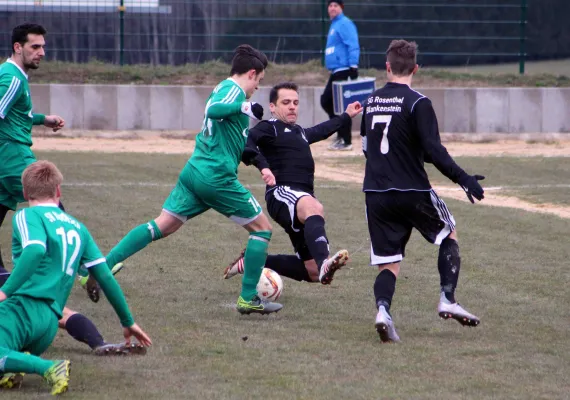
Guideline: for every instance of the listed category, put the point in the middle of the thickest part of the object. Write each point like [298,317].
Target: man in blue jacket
[341,59]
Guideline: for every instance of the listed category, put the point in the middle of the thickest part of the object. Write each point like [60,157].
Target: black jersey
[285,149]
[400,133]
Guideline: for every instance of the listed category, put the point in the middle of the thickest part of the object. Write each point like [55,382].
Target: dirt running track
[147,143]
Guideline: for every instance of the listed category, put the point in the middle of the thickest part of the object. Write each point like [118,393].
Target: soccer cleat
[11,380]
[92,287]
[257,306]
[385,326]
[449,310]
[235,267]
[58,377]
[331,265]
[335,143]
[120,349]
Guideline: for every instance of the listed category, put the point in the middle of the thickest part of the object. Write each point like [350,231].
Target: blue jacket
[343,50]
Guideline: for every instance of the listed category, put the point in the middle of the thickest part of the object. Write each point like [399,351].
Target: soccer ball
[270,285]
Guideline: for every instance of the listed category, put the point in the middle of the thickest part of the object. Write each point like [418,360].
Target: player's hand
[2,296]
[470,183]
[353,109]
[137,332]
[252,109]
[353,73]
[55,122]
[268,177]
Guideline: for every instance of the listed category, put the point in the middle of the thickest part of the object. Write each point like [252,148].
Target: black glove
[470,184]
[252,109]
[353,73]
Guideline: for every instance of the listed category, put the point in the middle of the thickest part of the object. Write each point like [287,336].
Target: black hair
[21,32]
[247,58]
[274,93]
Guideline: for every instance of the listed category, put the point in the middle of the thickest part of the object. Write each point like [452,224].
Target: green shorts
[15,158]
[193,195]
[27,324]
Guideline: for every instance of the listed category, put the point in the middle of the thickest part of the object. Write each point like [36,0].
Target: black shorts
[391,216]
[282,207]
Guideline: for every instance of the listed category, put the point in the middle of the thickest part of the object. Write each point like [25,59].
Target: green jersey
[16,117]
[68,245]
[220,144]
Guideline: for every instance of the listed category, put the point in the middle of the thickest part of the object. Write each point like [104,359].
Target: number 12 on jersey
[383,119]
[70,238]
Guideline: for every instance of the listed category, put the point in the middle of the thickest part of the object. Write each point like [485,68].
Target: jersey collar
[17,66]
[231,79]
[47,205]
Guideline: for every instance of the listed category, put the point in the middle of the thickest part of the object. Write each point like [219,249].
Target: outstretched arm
[437,154]
[325,129]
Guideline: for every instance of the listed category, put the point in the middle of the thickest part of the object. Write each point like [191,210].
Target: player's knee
[393,267]
[453,235]
[67,313]
[167,224]
[262,235]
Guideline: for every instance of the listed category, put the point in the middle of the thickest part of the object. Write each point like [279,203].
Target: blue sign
[346,92]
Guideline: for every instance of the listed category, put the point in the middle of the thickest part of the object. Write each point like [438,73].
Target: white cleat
[331,265]
[385,327]
[235,267]
[449,310]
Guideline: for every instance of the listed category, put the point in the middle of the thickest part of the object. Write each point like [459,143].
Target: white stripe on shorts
[290,197]
[444,215]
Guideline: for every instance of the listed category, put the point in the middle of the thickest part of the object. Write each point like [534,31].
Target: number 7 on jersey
[383,119]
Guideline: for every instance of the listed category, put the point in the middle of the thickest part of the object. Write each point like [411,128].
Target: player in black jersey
[399,133]
[280,149]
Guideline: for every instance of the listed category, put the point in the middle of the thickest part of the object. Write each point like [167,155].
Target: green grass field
[323,344]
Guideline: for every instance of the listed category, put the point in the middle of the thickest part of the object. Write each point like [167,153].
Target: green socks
[13,361]
[133,242]
[254,260]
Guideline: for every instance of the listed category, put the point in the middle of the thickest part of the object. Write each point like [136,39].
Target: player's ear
[252,74]
[272,107]
[58,191]
[415,69]
[388,67]
[25,194]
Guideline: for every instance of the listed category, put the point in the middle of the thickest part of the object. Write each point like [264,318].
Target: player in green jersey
[16,120]
[209,179]
[48,247]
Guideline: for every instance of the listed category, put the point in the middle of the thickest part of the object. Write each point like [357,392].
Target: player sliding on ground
[400,132]
[282,153]
[49,246]
[209,179]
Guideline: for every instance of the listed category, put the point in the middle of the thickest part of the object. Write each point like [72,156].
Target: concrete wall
[459,110]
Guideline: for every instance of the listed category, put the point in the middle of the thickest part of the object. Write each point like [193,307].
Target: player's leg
[388,237]
[29,325]
[237,203]
[84,330]
[254,259]
[437,225]
[310,213]
[180,206]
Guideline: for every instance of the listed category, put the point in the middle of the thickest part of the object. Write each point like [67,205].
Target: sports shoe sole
[14,381]
[341,258]
[121,349]
[262,312]
[382,330]
[465,321]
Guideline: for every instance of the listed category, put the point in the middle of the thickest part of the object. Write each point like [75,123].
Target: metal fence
[192,31]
